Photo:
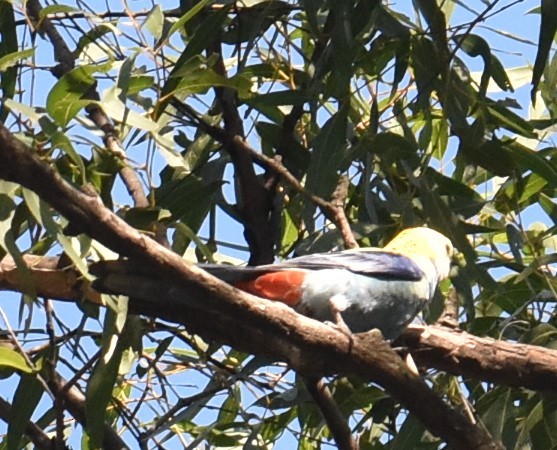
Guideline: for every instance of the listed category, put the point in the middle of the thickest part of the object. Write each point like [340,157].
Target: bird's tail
[233,274]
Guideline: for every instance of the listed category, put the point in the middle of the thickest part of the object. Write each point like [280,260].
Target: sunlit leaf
[10,358]
[12,59]
[154,22]
[101,383]
[66,98]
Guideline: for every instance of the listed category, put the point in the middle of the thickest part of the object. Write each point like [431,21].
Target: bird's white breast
[371,302]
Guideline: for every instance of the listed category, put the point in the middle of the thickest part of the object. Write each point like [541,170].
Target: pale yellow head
[419,243]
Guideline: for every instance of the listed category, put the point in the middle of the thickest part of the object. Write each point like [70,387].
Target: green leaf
[520,194]
[55,9]
[8,240]
[549,206]
[501,411]
[65,99]
[275,71]
[154,22]
[286,97]
[188,199]
[182,238]
[491,155]
[124,77]
[105,373]
[274,425]
[499,75]
[393,148]
[203,35]
[528,159]
[444,220]
[475,45]
[198,153]
[10,358]
[113,105]
[182,21]
[203,80]
[427,67]
[44,215]
[93,36]
[410,433]
[230,407]
[29,112]
[329,150]
[544,432]
[60,140]
[342,50]
[143,218]
[140,83]
[505,118]
[540,261]
[461,199]
[8,46]
[296,156]
[26,398]
[381,51]
[12,59]
[547,34]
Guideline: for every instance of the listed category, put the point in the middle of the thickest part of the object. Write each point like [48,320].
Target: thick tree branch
[434,346]
[255,199]
[268,328]
[481,358]
[50,280]
[74,401]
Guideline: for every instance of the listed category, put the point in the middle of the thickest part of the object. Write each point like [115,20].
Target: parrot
[364,289]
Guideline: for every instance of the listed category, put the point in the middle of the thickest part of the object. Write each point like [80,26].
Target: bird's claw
[342,327]
[338,304]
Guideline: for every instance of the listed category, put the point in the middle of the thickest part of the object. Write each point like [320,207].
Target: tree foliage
[263,129]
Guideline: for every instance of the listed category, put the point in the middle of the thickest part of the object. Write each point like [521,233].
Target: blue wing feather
[364,262]
[373,263]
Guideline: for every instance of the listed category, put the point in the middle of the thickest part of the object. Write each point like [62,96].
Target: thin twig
[23,353]
[172,415]
[51,367]
[75,403]
[338,200]
[336,422]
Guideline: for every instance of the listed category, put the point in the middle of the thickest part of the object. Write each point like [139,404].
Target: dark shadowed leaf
[26,399]
[328,154]
[548,28]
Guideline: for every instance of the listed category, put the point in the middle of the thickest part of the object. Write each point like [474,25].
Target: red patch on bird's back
[284,286]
